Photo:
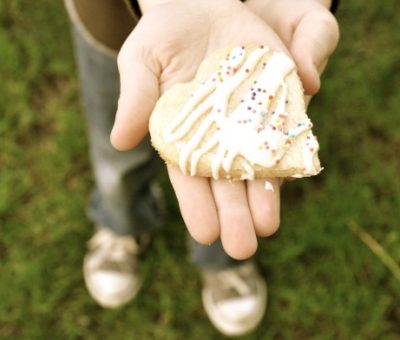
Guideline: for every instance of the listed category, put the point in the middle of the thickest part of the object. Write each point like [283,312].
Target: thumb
[314,40]
[139,74]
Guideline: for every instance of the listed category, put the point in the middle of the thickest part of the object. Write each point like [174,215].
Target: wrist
[258,6]
[145,5]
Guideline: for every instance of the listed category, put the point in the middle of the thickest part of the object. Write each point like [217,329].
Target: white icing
[245,131]
[249,172]
[309,151]
[268,186]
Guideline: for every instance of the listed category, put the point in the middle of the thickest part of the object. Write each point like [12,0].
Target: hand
[309,31]
[165,48]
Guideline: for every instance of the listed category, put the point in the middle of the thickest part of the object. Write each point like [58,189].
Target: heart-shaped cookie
[242,117]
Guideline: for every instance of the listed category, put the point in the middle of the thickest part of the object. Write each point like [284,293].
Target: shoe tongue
[239,307]
[234,281]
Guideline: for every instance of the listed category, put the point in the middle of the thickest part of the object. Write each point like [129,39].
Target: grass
[324,282]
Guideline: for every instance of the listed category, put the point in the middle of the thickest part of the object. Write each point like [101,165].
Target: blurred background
[333,267]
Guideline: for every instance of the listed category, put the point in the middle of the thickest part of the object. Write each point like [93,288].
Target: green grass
[324,282]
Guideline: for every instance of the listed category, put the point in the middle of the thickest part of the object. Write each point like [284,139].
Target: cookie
[242,117]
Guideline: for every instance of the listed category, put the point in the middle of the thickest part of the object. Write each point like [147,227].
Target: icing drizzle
[245,130]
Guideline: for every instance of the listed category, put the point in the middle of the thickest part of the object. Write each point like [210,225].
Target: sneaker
[110,268]
[234,299]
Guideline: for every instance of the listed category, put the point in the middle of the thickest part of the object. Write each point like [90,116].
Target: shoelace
[233,279]
[113,248]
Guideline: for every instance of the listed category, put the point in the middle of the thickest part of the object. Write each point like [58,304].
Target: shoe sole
[231,329]
[112,301]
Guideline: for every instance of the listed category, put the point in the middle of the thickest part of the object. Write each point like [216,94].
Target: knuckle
[330,25]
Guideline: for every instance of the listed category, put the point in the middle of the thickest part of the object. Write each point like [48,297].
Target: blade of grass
[376,248]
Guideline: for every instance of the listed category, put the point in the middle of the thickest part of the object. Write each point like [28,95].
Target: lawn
[326,279]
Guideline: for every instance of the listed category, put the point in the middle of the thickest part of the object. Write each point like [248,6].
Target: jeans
[122,199]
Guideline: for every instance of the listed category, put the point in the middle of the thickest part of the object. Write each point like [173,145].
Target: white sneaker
[110,268]
[235,299]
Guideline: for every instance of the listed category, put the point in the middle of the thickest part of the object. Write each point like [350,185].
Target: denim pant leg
[122,199]
[211,257]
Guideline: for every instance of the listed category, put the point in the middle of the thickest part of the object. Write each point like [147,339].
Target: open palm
[166,48]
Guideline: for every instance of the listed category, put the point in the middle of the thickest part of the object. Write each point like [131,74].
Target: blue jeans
[122,200]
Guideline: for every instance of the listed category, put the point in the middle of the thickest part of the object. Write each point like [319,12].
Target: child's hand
[165,48]
[309,31]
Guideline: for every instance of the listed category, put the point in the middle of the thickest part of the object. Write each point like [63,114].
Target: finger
[264,201]
[237,230]
[139,92]
[314,40]
[196,204]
